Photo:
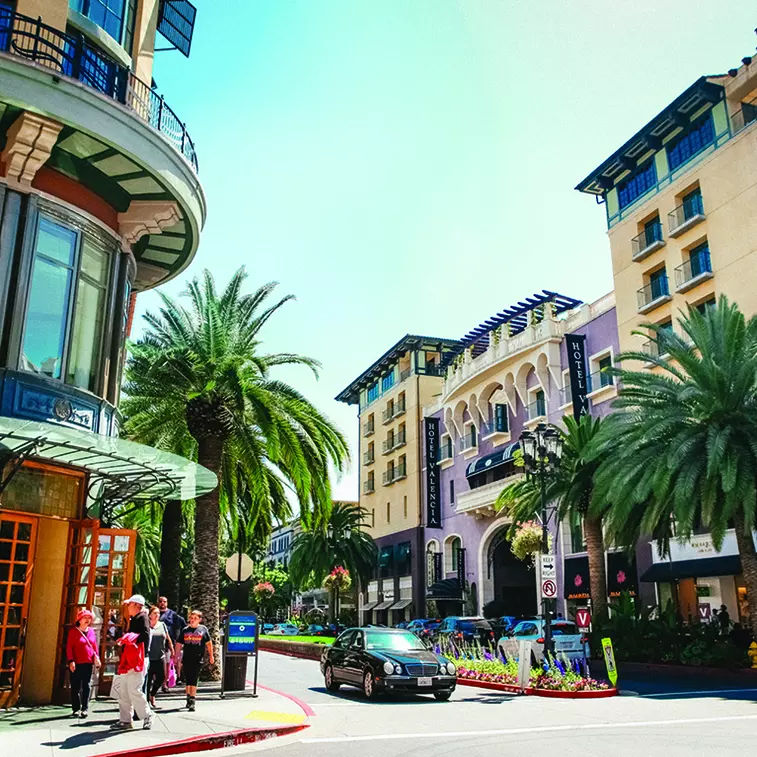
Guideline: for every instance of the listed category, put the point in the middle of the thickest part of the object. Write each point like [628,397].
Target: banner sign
[461,567]
[438,566]
[579,380]
[242,630]
[433,488]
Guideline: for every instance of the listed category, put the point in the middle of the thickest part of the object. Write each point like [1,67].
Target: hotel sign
[433,487]
[579,381]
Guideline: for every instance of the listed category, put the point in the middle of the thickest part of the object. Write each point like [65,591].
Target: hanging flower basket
[263,591]
[528,540]
[339,578]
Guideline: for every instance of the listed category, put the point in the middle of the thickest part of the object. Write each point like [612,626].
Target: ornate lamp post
[542,449]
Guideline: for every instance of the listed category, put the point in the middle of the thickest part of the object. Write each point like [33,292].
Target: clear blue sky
[408,165]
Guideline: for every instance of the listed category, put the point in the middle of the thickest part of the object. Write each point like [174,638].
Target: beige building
[390,396]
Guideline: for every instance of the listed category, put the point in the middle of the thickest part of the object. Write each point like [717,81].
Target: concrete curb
[304,650]
[209,741]
[509,688]
[686,671]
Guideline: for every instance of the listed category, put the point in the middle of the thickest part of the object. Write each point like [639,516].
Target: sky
[407,166]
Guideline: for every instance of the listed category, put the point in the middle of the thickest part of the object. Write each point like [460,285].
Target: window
[386,562]
[703,307]
[373,517]
[692,204]
[500,419]
[107,14]
[541,406]
[652,231]
[387,382]
[683,148]
[404,506]
[403,559]
[452,548]
[699,260]
[604,365]
[644,179]
[452,491]
[373,392]
[658,284]
[388,512]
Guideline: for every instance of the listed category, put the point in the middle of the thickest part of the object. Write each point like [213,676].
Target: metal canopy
[368,606]
[385,605]
[120,470]
[402,604]
[488,462]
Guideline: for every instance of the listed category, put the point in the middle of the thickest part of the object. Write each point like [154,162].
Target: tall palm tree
[340,540]
[199,376]
[571,489]
[685,445]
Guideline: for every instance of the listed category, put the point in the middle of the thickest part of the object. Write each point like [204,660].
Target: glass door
[17,534]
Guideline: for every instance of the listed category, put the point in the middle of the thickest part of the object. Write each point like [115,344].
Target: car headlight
[388,668]
[451,668]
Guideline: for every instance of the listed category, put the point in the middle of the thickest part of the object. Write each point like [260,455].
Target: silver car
[567,639]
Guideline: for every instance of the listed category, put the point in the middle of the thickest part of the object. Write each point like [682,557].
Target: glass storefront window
[47,311]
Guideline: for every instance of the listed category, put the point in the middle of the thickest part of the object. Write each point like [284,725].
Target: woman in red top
[81,653]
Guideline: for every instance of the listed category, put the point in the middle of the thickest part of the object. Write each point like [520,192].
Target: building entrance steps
[50,731]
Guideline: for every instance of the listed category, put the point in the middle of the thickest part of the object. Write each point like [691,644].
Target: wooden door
[17,541]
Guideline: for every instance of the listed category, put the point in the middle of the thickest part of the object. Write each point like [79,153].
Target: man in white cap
[128,685]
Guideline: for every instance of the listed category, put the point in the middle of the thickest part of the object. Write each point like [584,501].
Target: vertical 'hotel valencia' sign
[433,489]
[579,381]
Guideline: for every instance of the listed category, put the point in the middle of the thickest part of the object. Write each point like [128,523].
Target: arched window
[452,548]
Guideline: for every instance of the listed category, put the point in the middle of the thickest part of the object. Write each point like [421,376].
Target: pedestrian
[175,623]
[128,684]
[724,619]
[191,645]
[161,645]
[82,657]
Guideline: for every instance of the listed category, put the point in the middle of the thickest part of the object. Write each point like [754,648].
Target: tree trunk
[749,569]
[205,572]
[595,546]
[170,554]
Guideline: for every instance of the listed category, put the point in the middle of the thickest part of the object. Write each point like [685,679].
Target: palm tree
[685,447]
[571,489]
[198,377]
[340,540]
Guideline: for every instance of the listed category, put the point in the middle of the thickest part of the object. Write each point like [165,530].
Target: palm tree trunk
[595,546]
[749,569]
[170,553]
[205,572]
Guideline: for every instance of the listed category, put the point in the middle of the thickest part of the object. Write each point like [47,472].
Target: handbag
[171,680]
[89,643]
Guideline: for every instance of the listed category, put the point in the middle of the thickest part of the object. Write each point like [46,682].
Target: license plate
[424,682]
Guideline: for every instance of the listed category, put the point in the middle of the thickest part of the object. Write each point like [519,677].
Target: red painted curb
[209,741]
[304,706]
[510,688]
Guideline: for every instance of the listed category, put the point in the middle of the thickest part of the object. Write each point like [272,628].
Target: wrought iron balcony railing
[399,407]
[368,457]
[445,451]
[537,409]
[388,477]
[369,486]
[388,414]
[689,213]
[656,290]
[72,55]
[647,242]
[743,117]
[698,265]
[369,427]
[600,380]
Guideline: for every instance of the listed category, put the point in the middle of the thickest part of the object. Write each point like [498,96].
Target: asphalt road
[653,717]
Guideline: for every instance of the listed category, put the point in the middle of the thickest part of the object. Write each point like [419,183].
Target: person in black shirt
[191,645]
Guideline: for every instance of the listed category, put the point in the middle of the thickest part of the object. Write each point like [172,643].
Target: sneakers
[119,726]
[191,704]
[75,714]
[83,714]
[148,722]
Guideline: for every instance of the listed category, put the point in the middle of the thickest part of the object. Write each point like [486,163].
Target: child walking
[191,645]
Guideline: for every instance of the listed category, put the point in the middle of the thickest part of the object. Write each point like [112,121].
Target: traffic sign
[548,589]
[612,670]
[583,619]
[548,567]
[239,569]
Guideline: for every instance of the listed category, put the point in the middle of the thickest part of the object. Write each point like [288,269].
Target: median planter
[508,688]
[304,649]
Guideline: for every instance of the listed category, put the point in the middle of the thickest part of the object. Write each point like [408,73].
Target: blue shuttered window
[637,185]
[685,147]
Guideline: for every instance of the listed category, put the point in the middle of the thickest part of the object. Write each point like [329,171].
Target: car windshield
[396,642]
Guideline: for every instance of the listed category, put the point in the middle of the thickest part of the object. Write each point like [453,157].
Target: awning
[120,470]
[402,604]
[448,589]
[577,577]
[725,565]
[368,606]
[385,605]
[487,462]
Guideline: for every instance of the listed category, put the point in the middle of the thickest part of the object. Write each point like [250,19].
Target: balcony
[405,374]
[537,409]
[400,471]
[694,271]
[689,213]
[479,502]
[387,445]
[742,118]
[566,396]
[368,457]
[369,486]
[469,442]
[445,452]
[650,240]
[653,294]
[72,56]
[387,416]
[600,380]
[399,408]
[388,477]
[369,427]
[400,439]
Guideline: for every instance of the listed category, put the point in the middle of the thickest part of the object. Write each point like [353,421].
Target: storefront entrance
[17,541]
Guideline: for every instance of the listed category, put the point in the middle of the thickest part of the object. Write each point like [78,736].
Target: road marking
[538,729]
[684,694]
[276,717]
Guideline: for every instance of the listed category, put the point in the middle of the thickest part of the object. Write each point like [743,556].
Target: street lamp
[542,449]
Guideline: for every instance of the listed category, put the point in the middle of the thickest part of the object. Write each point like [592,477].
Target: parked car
[465,629]
[565,634]
[505,624]
[266,628]
[380,660]
[422,628]
[401,624]
[316,630]
[285,629]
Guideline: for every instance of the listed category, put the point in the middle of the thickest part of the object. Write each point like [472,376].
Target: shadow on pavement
[355,695]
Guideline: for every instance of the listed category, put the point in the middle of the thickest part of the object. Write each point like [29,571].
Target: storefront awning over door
[120,470]
[385,605]
[368,606]
[402,604]
[725,565]
[488,462]
[448,589]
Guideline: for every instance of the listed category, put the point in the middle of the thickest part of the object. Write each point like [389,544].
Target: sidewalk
[50,731]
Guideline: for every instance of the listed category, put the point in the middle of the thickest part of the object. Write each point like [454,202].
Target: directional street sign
[548,589]
[548,567]
[583,619]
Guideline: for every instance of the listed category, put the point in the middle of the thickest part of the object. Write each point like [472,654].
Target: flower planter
[510,688]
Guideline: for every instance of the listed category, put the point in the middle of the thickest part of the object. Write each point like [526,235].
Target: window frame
[641,181]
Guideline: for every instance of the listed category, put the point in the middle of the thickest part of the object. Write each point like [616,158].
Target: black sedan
[380,660]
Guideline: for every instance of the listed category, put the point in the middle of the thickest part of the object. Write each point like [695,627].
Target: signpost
[583,619]
[524,664]
[612,670]
[548,567]
[241,640]
[548,588]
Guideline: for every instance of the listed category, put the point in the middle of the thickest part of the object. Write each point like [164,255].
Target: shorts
[191,670]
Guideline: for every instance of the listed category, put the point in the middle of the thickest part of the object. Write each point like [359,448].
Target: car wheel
[369,685]
[328,676]
[442,696]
